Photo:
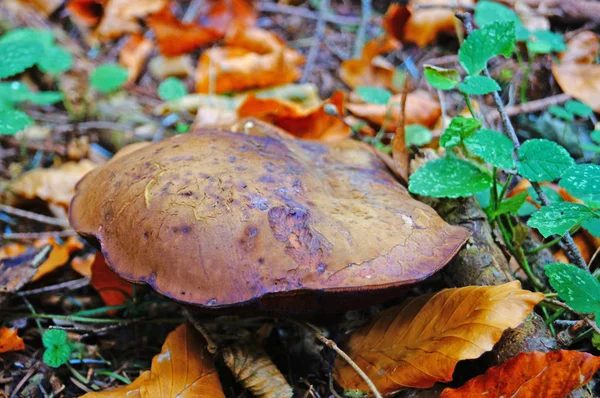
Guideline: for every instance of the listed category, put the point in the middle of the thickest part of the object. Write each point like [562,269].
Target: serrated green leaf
[493,147]
[543,160]
[511,205]
[559,218]
[459,129]
[45,97]
[17,56]
[478,85]
[44,37]
[171,89]
[577,287]
[12,121]
[592,226]
[374,95]
[108,77]
[449,178]
[578,108]
[441,78]
[417,134]
[14,92]
[545,42]
[595,136]
[487,12]
[560,112]
[491,40]
[582,181]
[56,60]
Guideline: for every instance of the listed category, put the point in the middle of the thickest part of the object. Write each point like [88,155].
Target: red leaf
[112,289]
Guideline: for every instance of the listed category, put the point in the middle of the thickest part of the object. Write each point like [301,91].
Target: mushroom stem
[211,346]
[331,344]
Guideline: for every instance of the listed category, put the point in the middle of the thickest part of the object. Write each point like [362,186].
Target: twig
[584,317]
[306,13]
[71,285]
[331,344]
[361,35]
[319,36]
[34,216]
[572,251]
[533,106]
[27,376]
[38,235]
[210,343]
[451,6]
[100,125]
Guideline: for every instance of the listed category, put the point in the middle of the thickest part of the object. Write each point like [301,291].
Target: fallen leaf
[303,122]
[394,21]
[532,19]
[418,343]
[133,55]
[262,42]
[230,69]
[370,70]
[112,289]
[86,12]
[535,374]
[577,74]
[224,14]
[425,25]
[16,271]
[83,265]
[54,185]
[45,7]
[175,37]
[162,67]
[420,109]
[122,16]
[214,117]
[10,341]
[184,369]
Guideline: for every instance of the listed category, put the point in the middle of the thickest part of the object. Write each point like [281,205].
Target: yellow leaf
[10,341]
[418,343]
[183,369]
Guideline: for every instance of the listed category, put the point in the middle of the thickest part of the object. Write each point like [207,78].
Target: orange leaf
[262,42]
[112,289]
[175,37]
[10,341]
[534,374]
[308,123]
[86,12]
[83,265]
[183,369]
[224,14]
[227,69]
[122,16]
[578,75]
[420,109]
[58,257]
[369,70]
[424,25]
[395,20]
[418,343]
[134,53]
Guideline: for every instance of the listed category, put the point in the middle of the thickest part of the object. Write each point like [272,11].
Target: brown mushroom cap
[218,219]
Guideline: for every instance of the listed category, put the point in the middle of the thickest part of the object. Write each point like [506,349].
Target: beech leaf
[10,340]
[532,374]
[182,369]
[418,343]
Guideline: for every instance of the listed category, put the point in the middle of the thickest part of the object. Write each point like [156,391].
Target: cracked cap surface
[218,219]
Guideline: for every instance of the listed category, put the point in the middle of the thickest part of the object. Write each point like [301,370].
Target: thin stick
[71,285]
[306,13]
[584,317]
[361,35]
[572,251]
[331,344]
[210,343]
[319,36]
[34,216]
[38,235]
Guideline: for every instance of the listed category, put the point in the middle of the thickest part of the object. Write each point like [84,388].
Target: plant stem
[470,105]
[544,246]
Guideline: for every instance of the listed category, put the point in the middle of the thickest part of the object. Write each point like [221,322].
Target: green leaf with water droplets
[493,147]
[56,60]
[583,182]
[459,129]
[12,121]
[496,38]
[543,160]
[559,218]
[449,177]
[577,287]
[17,56]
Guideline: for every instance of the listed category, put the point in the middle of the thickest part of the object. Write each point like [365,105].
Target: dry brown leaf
[224,14]
[214,117]
[395,20]
[261,41]
[532,20]
[418,343]
[227,69]
[134,53]
[535,374]
[420,109]
[46,7]
[369,70]
[121,16]
[175,37]
[83,265]
[302,122]
[183,369]
[162,67]
[577,74]
[112,289]
[86,12]
[10,341]
[54,185]
[424,25]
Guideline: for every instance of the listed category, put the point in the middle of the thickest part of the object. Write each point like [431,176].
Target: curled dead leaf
[225,14]
[419,342]
[303,122]
[54,185]
[113,289]
[122,16]
[370,69]
[10,340]
[162,67]
[420,109]
[534,374]
[175,37]
[134,53]
[184,368]
[86,12]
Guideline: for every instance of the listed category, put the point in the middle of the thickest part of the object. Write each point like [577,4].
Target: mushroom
[223,219]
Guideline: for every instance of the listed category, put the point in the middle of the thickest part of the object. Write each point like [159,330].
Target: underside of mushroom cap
[219,219]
